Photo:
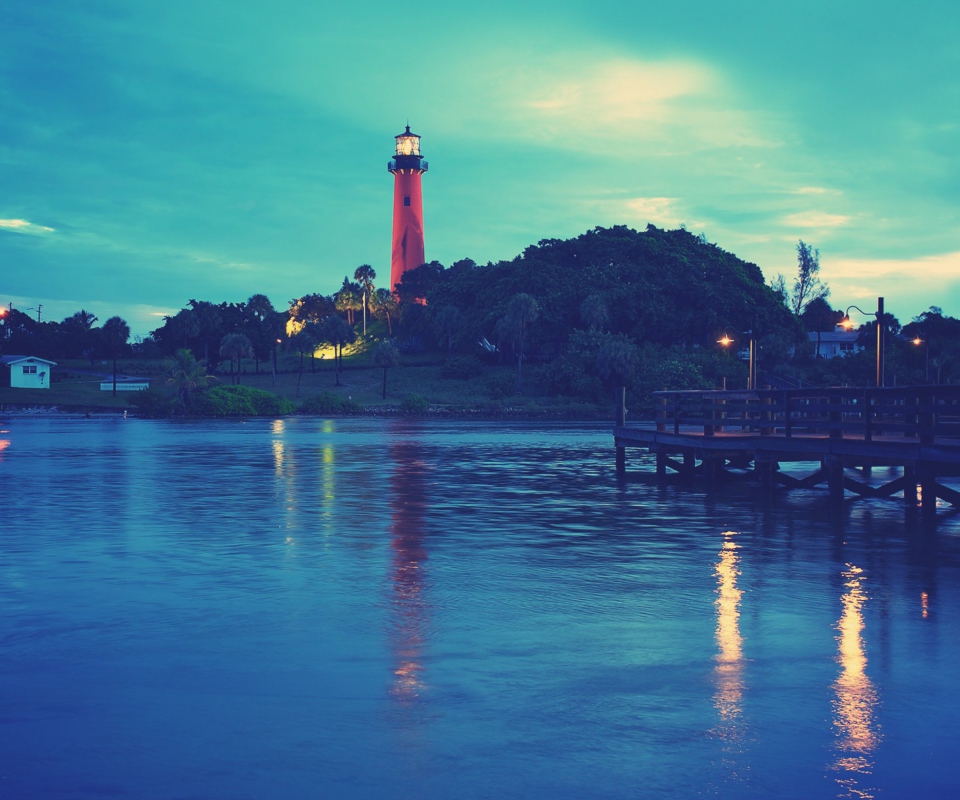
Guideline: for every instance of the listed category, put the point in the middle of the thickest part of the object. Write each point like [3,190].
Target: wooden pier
[705,434]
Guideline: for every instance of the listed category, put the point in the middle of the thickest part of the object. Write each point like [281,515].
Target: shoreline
[387,411]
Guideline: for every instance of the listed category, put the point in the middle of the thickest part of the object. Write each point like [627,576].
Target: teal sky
[156,152]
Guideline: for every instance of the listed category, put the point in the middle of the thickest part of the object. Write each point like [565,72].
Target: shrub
[328,403]
[410,346]
[154,401]
[240,401]
[502,383]
[414,404]
[461,368]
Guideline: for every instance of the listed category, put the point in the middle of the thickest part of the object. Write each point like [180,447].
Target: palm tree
[235,346]
[115,335]
[305,341]
[385,355]
[364,275]
[522,312]
[338,333]
[347,299]
[385,304]
[83,319]
[187,375]
[594,312]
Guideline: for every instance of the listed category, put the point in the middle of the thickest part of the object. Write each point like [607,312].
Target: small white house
[835,343]
[28,372]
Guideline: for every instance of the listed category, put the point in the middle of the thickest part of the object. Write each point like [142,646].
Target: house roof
[11,360]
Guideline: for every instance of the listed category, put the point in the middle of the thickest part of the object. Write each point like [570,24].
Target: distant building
[28,372]
[835,343]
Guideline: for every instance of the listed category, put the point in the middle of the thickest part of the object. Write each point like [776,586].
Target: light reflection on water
[729,669]
[855,706]
[379,608]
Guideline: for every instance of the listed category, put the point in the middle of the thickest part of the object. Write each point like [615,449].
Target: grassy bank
[490,392]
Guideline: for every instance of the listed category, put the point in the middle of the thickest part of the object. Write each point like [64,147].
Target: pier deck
[704,433]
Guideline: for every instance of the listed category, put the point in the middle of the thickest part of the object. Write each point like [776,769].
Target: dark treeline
[574,318]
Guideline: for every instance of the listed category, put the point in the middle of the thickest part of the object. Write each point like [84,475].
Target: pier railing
[920,412]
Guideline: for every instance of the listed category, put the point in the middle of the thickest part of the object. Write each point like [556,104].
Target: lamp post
[726,341]
[925,343]
[881,336]
[277,342]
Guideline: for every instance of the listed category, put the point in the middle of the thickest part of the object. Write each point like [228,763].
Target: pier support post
[621,401]
[765,467]
[689,462]
[910,485]
[928,495]
[834,468]
[661,464]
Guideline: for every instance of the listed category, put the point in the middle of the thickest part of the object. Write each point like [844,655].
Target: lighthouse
[406,166]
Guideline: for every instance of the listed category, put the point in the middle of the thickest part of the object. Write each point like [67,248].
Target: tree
[522,312]
[347,300]
[186,375]
[617,362]
[114,337]
[235,346]
[208,321]
[305,342]
[415,284]
[262,329]
[594,312]
[385,355]
[807,286]
[819,316]
[364,275]
[338,333]
[446,322]
[385,306]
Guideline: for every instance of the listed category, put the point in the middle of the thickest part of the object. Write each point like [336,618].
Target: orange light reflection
[728,673]
[855,702]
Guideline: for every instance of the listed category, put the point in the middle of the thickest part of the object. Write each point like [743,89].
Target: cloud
[815,190]
[905,283]
[944,267]
[22,226]
[658,210]
[815,219]
[590,102]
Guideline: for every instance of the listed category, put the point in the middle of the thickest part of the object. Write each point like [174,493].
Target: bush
[154,401]
[329,403]
[411,346]
[503,383]
[241,401]
[414,404]
[461,368]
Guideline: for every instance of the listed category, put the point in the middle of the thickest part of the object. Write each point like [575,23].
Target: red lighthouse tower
[407,167]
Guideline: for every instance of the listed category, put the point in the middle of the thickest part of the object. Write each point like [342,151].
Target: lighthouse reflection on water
[409,609]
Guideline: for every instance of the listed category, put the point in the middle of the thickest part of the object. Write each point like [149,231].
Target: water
[394,608]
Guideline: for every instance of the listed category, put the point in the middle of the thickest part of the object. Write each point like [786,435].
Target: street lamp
[726,341]
[925,343]
[275,362]
[881,336]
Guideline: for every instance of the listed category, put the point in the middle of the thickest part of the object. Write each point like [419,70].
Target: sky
[155,152]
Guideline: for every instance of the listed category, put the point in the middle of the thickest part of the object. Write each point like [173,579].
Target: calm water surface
[392,609]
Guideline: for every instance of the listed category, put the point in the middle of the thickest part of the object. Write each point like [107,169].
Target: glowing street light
[726,341]
[881,336]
